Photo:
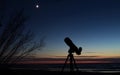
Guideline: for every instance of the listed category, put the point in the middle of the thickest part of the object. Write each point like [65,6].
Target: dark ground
[42,72]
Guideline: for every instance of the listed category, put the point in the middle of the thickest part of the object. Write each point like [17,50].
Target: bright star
[37,6]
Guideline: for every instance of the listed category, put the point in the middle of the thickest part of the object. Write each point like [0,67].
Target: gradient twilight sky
[92,24]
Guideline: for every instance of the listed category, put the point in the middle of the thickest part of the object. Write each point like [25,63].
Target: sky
[91,24]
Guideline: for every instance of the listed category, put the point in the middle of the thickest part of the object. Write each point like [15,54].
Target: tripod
[72,63]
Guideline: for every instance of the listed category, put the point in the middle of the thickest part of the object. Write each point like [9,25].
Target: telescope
[70,57]
[73,48]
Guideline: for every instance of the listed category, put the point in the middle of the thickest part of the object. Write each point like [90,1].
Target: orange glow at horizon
[79,60]
[62,62]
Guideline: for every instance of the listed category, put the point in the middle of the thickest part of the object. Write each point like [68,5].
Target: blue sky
[92,24]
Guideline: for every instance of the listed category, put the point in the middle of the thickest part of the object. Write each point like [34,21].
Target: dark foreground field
[42,72]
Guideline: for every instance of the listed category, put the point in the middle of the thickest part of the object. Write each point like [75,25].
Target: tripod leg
[75,64]
[65,63]
[71,63]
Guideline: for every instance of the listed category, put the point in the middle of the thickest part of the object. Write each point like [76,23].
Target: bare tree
[15,41]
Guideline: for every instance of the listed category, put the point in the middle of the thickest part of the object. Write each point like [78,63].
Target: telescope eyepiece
[78,52]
